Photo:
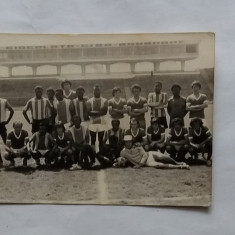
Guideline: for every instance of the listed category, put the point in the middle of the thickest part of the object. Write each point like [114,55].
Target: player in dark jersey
[63,154]
[42,145]
[16,144]
[111,150]
[196,102]
[176,104]
[117,107]
[177,140]
[137,106]
[67,91]
[200,140]
[138,134]
[155,137]
[157,101]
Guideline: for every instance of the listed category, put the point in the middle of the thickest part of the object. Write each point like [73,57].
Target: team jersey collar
[198,134]
[135,100]
[136,132]
[17,137]
[117,102]
[155,132]
[197,98]
[178,134]
[61,138]
[66,96]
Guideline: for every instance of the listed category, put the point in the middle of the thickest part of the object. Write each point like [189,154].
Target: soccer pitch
[110,186]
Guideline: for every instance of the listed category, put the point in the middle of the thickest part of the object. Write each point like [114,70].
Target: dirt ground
[145,186]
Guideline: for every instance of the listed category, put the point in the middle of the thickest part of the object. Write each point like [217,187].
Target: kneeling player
[177,140]
[200,140]
[16,144]
[138,157]
[43,145]
[84,154]
[63,153]
[155,137]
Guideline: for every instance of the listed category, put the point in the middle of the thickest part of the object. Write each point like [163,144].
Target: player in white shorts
[97,108]
[117,107]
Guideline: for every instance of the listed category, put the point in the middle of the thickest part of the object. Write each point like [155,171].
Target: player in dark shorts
[157,101]
[67,91]
[176,104]
[84,154]
[155,137]
[111,150]
[42,145]
[137,106]
[200,139]
[63,154]
[51,113]
[4,106]
[38,106]
[138,134]
[16,144]
[177,140]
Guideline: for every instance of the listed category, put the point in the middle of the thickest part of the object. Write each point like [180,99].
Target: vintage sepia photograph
[108,119]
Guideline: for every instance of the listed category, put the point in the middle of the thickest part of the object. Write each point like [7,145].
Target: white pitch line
[103,197]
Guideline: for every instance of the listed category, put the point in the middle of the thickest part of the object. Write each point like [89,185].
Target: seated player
[16,144]
[200,140]
[84,154]
[177,140]
[138,157]
[63,154]
[155,137]
[42,145]
[111,150]
[138,134]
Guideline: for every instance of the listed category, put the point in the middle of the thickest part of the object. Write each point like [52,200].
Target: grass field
[145,186]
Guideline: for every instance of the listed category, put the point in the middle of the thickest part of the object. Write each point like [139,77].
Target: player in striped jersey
[51,113]
[177,140]
[196,102]
[137,106]
[138,134]
[63,109]
[155,137]
[111,150]
[4,106]
[157,101]
[16,144]
[68,93]
[79,107]
[97,108]
[117,107]
[200,140]
[176,104]
[84,154]
[38,106]
[42,145]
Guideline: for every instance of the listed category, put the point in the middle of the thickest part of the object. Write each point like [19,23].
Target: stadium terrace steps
[18,91]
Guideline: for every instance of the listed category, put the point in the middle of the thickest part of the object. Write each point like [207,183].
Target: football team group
[66,125]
